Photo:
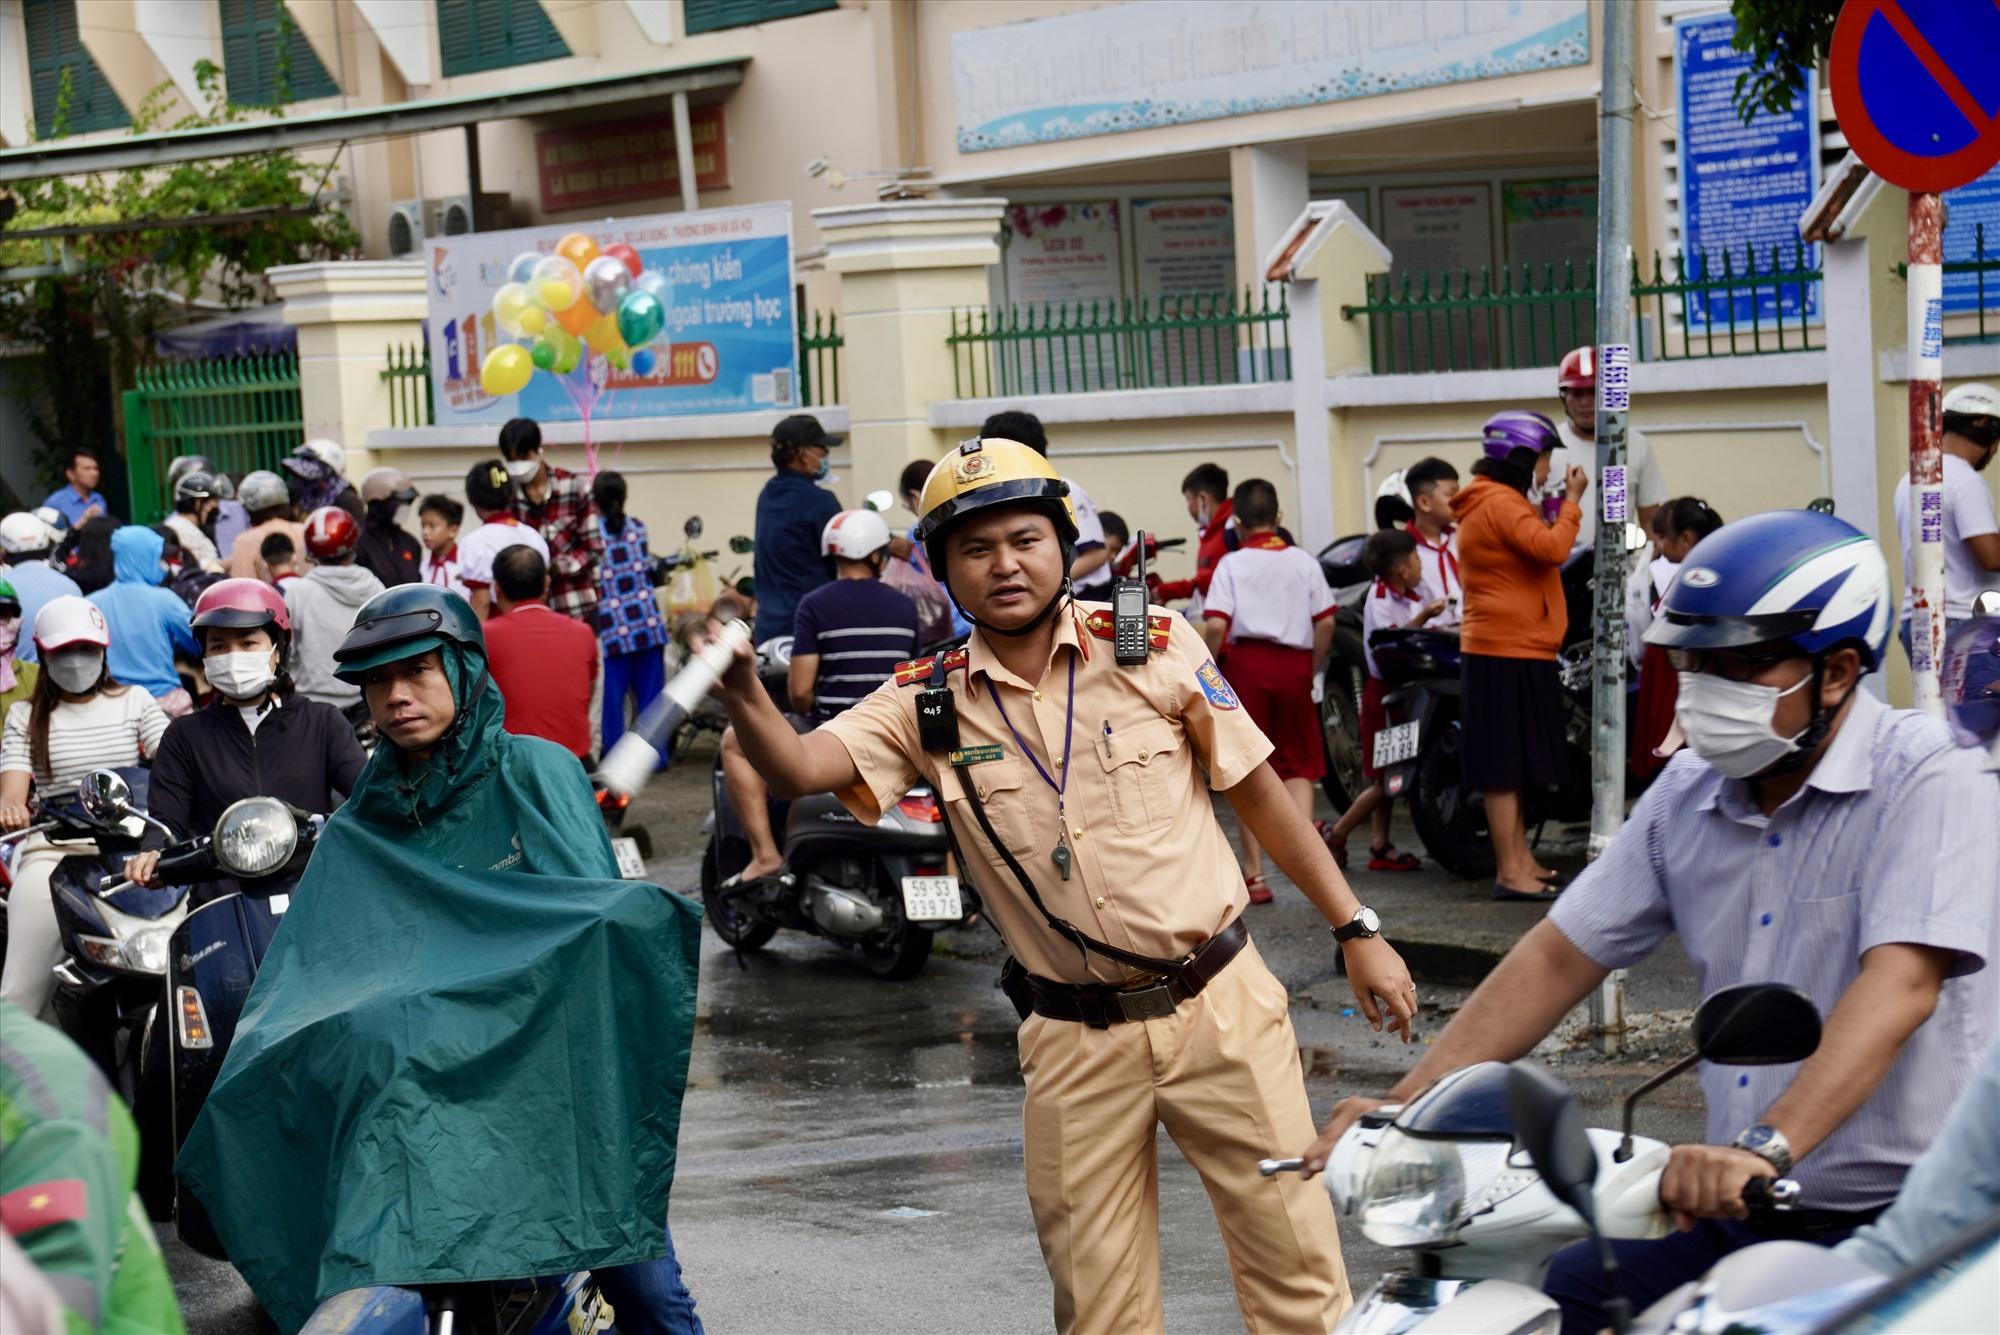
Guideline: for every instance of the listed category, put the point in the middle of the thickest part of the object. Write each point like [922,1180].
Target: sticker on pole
[1617,509]
[1614,378]
[1916,89]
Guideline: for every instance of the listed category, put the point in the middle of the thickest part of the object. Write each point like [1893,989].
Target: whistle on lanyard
[1130,635]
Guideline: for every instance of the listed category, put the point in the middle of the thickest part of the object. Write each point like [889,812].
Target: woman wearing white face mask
[256,738]
[78,720]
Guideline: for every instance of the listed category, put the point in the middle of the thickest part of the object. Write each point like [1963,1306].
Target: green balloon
[544,355]
[640,318]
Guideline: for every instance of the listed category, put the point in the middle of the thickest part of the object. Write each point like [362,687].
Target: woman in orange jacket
[1515,616]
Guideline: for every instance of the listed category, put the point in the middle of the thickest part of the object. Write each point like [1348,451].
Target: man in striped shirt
[1812,836]
[847,638]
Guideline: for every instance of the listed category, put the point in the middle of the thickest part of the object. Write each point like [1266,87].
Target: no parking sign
[1917,89]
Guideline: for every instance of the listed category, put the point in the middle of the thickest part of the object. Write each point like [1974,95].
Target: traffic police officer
[69,1155]
[1070,785]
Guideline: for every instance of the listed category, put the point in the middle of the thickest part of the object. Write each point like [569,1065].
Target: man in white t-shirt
[487,491]
[1090,573]
[1645,485]
[1971,536]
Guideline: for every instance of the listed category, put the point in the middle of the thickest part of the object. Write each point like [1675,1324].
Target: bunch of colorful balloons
[579,298]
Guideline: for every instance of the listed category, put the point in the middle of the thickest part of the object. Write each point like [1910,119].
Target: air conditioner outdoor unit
[455,215]
[406,228]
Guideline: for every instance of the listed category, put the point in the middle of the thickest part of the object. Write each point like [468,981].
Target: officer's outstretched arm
[793,765]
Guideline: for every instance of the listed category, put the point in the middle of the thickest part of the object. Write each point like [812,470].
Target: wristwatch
[1769,1144]
[1365,923]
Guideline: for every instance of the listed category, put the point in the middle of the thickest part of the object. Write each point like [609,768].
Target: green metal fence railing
[1211,338]
[242,413]
[407,375]
[1528,316]
[819,358]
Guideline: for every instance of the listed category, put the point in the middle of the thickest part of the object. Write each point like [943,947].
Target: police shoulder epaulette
[918,670]
[1159,630]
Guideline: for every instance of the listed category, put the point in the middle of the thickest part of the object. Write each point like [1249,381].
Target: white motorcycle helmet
[854,535]
[1973,400]
[22,532]
[329,452]
[70,620]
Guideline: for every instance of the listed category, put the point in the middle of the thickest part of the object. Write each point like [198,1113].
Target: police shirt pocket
[1142,769]
[1000,786]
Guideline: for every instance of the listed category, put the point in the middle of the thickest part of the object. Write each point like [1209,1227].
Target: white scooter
[1490,1172]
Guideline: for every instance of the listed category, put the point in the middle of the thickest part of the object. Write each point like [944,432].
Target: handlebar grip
[1770,1193]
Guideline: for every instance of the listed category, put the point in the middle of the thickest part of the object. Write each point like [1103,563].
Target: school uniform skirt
[1513,719]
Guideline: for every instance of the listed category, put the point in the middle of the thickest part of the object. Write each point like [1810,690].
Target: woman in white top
[78,720]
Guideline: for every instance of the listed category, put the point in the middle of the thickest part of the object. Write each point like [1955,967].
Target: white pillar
[348,314]
[1268,191]
[1851,384]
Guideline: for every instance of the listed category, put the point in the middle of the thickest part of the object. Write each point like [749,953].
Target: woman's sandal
[1391,858]
[1260,893]
[1337,847]
[1507,895]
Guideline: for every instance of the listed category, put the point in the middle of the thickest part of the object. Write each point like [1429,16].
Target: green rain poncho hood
[465,1054]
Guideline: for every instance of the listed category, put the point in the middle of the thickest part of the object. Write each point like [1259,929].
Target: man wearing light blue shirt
[1815,838]
[79,499]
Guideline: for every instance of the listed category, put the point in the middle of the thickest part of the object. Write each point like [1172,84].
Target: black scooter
[881,889]
[243,871]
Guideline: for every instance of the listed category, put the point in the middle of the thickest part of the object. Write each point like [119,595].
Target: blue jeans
[1647,1271]
[642,676]
[649,1298]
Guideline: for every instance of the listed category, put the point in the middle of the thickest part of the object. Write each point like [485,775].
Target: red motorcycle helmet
[242,604]
[1578,369]
[331,534]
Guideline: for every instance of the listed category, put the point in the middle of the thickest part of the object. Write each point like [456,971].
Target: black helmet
[402,622]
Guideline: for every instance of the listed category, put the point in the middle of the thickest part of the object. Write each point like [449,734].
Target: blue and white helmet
[1793,575]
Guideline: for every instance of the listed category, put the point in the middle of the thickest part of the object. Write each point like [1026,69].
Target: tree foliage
[89,329]
[1789,39]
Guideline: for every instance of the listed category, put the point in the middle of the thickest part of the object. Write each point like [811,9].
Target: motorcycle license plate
[1395,744]
[630,865]
[932,899]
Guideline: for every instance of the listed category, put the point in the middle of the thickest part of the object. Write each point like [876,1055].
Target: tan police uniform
[1152,873]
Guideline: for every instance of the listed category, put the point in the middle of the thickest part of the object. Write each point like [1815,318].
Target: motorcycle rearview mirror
[742,546]
[692,528]
[1821,505]
[105,795]
[1549,1126]
[1636,537]
[1987,604]
[880,501]
[1750,1024]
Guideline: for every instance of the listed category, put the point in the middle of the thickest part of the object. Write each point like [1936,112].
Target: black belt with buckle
[1101,1006]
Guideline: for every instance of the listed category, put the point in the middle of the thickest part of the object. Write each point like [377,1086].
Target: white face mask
[523,469]
[75,670]
[241,676]
[1728,723]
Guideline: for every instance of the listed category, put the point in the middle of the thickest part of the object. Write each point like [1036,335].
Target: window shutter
[54,45]
[250,55]
[475,35]
[715,15]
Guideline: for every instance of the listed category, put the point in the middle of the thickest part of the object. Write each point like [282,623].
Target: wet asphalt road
[851,1150]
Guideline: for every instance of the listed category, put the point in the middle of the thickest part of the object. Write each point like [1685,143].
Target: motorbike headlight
[1418,1189]
[255,837]
[146,950]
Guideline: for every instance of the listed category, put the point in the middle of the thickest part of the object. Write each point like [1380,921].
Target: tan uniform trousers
[1222,1075]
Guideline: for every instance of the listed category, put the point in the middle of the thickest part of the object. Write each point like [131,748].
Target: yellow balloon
[603,333]
[510,306]
[506,370]
[558,296]
[533,320]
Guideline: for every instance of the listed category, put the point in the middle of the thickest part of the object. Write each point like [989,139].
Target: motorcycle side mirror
[742,546]
[1750,1024]
[1635,538]
[1757,1024]
[1549,1126]
[1821,505]
[747,586]
[692,528]
[106,796]
[881,502]
[1987,604]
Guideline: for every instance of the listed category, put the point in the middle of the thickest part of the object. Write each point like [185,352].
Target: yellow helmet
[986,472]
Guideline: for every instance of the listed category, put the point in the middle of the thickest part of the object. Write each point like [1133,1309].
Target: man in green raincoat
[464,1056]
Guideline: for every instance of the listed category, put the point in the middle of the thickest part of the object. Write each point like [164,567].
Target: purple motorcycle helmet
[1517,429]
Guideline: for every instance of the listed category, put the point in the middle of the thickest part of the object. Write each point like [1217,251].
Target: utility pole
[1926,520]
[1615,111]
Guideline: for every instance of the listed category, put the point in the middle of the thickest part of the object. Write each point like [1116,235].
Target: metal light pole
[1926,333]
[1612,499]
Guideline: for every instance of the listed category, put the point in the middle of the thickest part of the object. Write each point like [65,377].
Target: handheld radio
[1129,633]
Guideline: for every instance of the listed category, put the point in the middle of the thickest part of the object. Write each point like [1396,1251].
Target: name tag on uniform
[972,755]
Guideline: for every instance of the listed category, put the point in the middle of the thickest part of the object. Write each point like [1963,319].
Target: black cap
[801,431]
